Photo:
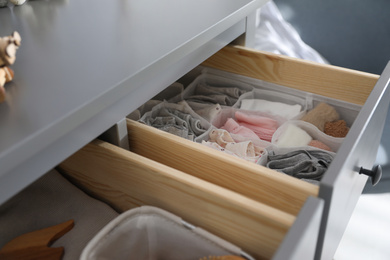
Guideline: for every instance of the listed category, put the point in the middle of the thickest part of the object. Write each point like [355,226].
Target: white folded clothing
[293,136]
[270,107]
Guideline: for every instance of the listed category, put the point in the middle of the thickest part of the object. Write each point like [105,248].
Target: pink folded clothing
[263,127]
[245,149]
[221,140]
[319,144]
[263,133]
[233,127]
[220,137]
[255,120]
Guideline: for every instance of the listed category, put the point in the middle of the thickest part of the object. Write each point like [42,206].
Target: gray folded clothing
[216,95]
[175,122]
[206,90]
[302,164]
[213,99]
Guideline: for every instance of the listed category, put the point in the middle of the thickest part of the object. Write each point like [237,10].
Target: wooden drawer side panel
[254,181]
[322,79]
[127,180]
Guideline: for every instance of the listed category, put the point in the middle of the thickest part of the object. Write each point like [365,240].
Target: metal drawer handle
[375,174]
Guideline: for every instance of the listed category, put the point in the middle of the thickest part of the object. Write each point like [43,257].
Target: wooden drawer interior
[126,180]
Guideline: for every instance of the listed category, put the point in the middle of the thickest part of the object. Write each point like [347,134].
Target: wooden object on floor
[322,79]
[126,180]
[267,186]
[34,245]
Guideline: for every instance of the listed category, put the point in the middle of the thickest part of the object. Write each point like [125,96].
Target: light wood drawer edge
[126,180]
[322,79]
[254,181]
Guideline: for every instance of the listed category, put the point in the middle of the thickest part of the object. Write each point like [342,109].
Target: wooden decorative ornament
[8,48]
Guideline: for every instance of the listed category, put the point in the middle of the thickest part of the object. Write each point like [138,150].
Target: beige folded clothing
[320,115]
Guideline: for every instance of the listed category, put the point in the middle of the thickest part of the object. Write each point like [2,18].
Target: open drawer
[342,184]
[127,179]
[265,213]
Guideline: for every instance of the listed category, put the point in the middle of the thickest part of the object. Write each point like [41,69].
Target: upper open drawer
[361,98]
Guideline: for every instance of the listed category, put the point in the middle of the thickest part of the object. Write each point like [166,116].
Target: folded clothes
[213,99]
[255,120]
[337,128]
[251,126]
[233,127]
[244,149]
[220,137]
[219,148]
[221,140]
[270,107]
[204,89]
[320,115]
[208,112]
[293,136]
[320,145]
[263,127]
[301,164]
[175,122]
[204,93]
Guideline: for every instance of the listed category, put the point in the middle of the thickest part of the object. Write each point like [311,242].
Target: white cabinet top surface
[79,57]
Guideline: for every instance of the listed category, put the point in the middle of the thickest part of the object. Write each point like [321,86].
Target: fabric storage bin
[306,163]
[348,110]
[126,180]
[178,119]
[220,120]
[248,149]
[274,103]
[310,131]
[152,233]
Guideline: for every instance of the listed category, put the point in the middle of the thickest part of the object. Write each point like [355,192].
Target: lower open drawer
[257,210]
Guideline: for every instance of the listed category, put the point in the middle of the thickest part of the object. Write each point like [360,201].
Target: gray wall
[349,33]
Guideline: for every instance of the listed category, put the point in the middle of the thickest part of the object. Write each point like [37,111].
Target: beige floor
[368,233]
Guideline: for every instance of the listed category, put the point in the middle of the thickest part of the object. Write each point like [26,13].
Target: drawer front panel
[301,240]
[126,180]
[342,185]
